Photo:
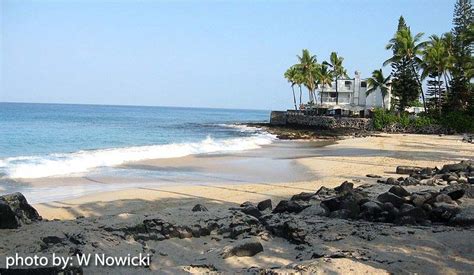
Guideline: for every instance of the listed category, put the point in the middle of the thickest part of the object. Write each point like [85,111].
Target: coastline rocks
[289,206]
[408,170]
[391,198]
[199,208]
[303,196]
[399,191]
[7,217]
[244,248]
[16,204]
[264,205]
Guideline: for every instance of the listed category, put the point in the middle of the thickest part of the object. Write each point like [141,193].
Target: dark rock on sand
[399,191]
[264,205]
[303,196]
[289,206]
[344,187]
[373,176]
[391,198]
[408,170]
[455,192]
[199,208]
[23,212]
[244,248]
[7,217]
[392,181]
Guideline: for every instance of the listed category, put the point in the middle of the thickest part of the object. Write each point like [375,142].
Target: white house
[352,96]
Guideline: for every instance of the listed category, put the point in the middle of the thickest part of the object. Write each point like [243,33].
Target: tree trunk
[420,85]
[321,95]
[337,94]
[294,97]
[439,93]
[446,82]
[301,93]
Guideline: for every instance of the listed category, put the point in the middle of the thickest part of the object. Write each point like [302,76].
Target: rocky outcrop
[15,211]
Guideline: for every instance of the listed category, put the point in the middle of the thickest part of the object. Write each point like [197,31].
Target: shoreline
[348,159]
[158,221]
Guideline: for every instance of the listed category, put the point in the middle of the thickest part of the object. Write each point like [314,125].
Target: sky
[220,54]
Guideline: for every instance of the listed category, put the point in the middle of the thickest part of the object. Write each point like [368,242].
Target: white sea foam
[83,161]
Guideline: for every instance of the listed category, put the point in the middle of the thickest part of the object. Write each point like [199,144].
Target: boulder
[392,198]
[23,211]
[443,198]
[289,206]
[454,191]
[344,187]
[7,217]
[392,181]
[303,196]
[416,214]
[464,218]
[408,170]
[456,167]
[199,208]
[264,205]
[444,211]
[418,199]
[314,210]
[399,191]
[373,176]
[251,210]
[410,181]
[244,248]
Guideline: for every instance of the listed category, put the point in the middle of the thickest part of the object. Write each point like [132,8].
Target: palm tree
[406,46]
[299,79]
[338,70]
[308,65]
[324,78]
[290,75]
[378,81]
[436,62]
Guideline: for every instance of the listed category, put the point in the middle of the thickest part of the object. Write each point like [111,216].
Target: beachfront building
[352,97]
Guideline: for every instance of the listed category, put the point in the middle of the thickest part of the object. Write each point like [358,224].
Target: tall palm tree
[299,79]
[406,46]
[338,70]
[436,62]
[308,65]
[324,78]
[290,75]
[378,81]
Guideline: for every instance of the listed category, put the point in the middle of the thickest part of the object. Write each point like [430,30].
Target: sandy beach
[112,222]
[349,159]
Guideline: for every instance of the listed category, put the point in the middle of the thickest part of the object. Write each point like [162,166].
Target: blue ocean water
[40,140]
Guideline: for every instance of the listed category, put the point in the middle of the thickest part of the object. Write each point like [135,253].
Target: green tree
[408,47]
[290,75]
[436,62]
[378,81]
[462,69]
[338,70]
[308,66]
[324,77]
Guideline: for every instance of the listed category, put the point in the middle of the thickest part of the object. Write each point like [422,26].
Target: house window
[333,94]
[363,84]
[348,84]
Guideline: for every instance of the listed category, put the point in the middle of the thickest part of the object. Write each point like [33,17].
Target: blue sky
[229,54]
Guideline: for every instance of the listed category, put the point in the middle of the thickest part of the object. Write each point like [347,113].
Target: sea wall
[320,122]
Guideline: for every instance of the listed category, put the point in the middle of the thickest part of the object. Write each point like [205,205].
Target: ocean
[58,140]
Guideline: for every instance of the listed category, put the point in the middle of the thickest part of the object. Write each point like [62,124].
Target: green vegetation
[444,64]
[311,74]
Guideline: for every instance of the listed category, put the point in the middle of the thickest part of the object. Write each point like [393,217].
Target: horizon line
[132,105]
